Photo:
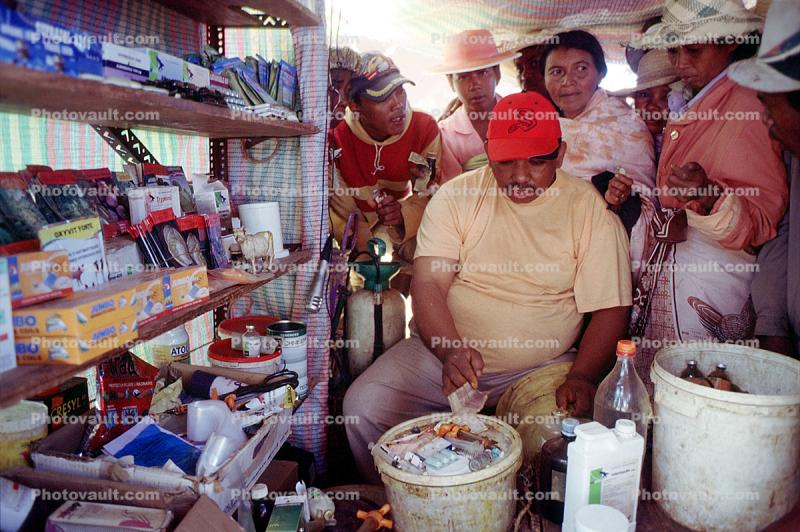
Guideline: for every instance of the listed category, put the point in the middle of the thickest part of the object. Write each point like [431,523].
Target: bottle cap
[249,327]
[691,363]
[568,426]
[259,491]
[626,348]
[721,366]
[625,427]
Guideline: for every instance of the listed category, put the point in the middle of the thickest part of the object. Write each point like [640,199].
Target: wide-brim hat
[777,67]
[698,22]
[377,78]
[471,50]
[654,69]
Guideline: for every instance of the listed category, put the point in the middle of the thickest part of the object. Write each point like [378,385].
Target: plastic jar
[21,425]
[172,346]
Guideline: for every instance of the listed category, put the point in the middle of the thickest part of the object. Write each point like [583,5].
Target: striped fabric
[291,172]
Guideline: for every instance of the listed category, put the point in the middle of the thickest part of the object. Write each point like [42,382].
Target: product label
[164,354]
[616,486]
[252,346]
[558,485]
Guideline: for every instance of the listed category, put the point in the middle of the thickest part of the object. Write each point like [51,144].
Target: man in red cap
[471,62]
[510,259]
[376,151]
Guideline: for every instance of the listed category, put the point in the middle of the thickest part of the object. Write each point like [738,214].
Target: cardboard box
[205,515]
[164,66]
[196,75]
[287,516]
[189,286]
[80,516]
[76,349]
[8,359]
[123,257]
[144,200]
[65,401]
[38,276]
[226,487]
[83,240]
[80,313]
[280,476]
[154,293]
[125,63]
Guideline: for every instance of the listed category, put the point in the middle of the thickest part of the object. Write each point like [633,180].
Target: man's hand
[576,395]
[459,366]
[389,211]
[619,190]
[689,184]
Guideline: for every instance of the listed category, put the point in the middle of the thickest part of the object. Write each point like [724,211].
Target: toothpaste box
[164,66]
[79,313]
[38,276]
[196,75]
[77,349]
[124,62]
[189,286]
[80,516]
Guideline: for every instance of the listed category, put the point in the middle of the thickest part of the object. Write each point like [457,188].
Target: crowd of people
[668,212]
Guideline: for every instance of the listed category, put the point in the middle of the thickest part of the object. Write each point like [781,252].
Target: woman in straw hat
[721,187]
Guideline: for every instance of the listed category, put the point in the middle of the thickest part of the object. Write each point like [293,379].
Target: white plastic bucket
[264,216]
[724,460]
[482,500]
[222,355]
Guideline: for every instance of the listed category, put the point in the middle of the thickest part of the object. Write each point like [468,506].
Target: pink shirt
[460,143]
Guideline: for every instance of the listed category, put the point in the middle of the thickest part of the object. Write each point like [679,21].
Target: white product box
[144,200]
[196,75]
[126,63]
[81,516]
[8,358]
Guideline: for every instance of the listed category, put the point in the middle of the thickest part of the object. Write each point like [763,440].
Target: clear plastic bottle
[622,394]
[553,472]
[251,342]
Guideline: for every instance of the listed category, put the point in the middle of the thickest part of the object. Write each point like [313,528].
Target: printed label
[615,486]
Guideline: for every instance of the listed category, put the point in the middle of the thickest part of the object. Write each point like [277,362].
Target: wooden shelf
[28,380]
[25,90]
[229,13]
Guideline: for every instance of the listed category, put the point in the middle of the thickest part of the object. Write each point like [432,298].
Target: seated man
[471,63]
[371,150]
[509,259]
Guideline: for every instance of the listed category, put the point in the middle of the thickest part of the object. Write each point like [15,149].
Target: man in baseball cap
[775,74]
[510,257]
[376,173]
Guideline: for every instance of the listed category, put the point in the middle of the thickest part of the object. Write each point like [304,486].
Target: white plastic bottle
[172,346]
[604,467]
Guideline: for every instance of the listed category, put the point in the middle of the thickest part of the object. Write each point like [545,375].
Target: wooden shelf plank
[27,380]
[24,90]
[229,13]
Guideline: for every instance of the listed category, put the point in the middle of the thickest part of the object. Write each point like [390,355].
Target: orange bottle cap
[626,348]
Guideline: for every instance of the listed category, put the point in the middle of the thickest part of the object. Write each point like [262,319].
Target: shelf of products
[229,12]
[24,90]
[27,380]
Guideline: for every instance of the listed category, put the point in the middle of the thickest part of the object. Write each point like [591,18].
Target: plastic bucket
[482,500]
[222,355]
[725,460]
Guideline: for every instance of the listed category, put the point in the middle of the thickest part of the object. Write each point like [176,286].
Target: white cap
[259,491]
[625,427]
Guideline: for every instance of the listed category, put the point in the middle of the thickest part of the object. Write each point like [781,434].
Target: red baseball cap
[523,125]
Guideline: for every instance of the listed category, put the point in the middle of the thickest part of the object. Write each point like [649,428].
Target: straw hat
[777,67]
[344,58]
[471,50]
[654,70]
[697,22]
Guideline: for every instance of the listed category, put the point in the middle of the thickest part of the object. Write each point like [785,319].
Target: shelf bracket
[217,148]
[126,144]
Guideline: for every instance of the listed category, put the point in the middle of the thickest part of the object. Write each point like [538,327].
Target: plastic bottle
[476,463]
[261,506]
[172,346]
[553,472]
[251,342]
[693,374]
[622,394]
[604,468]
